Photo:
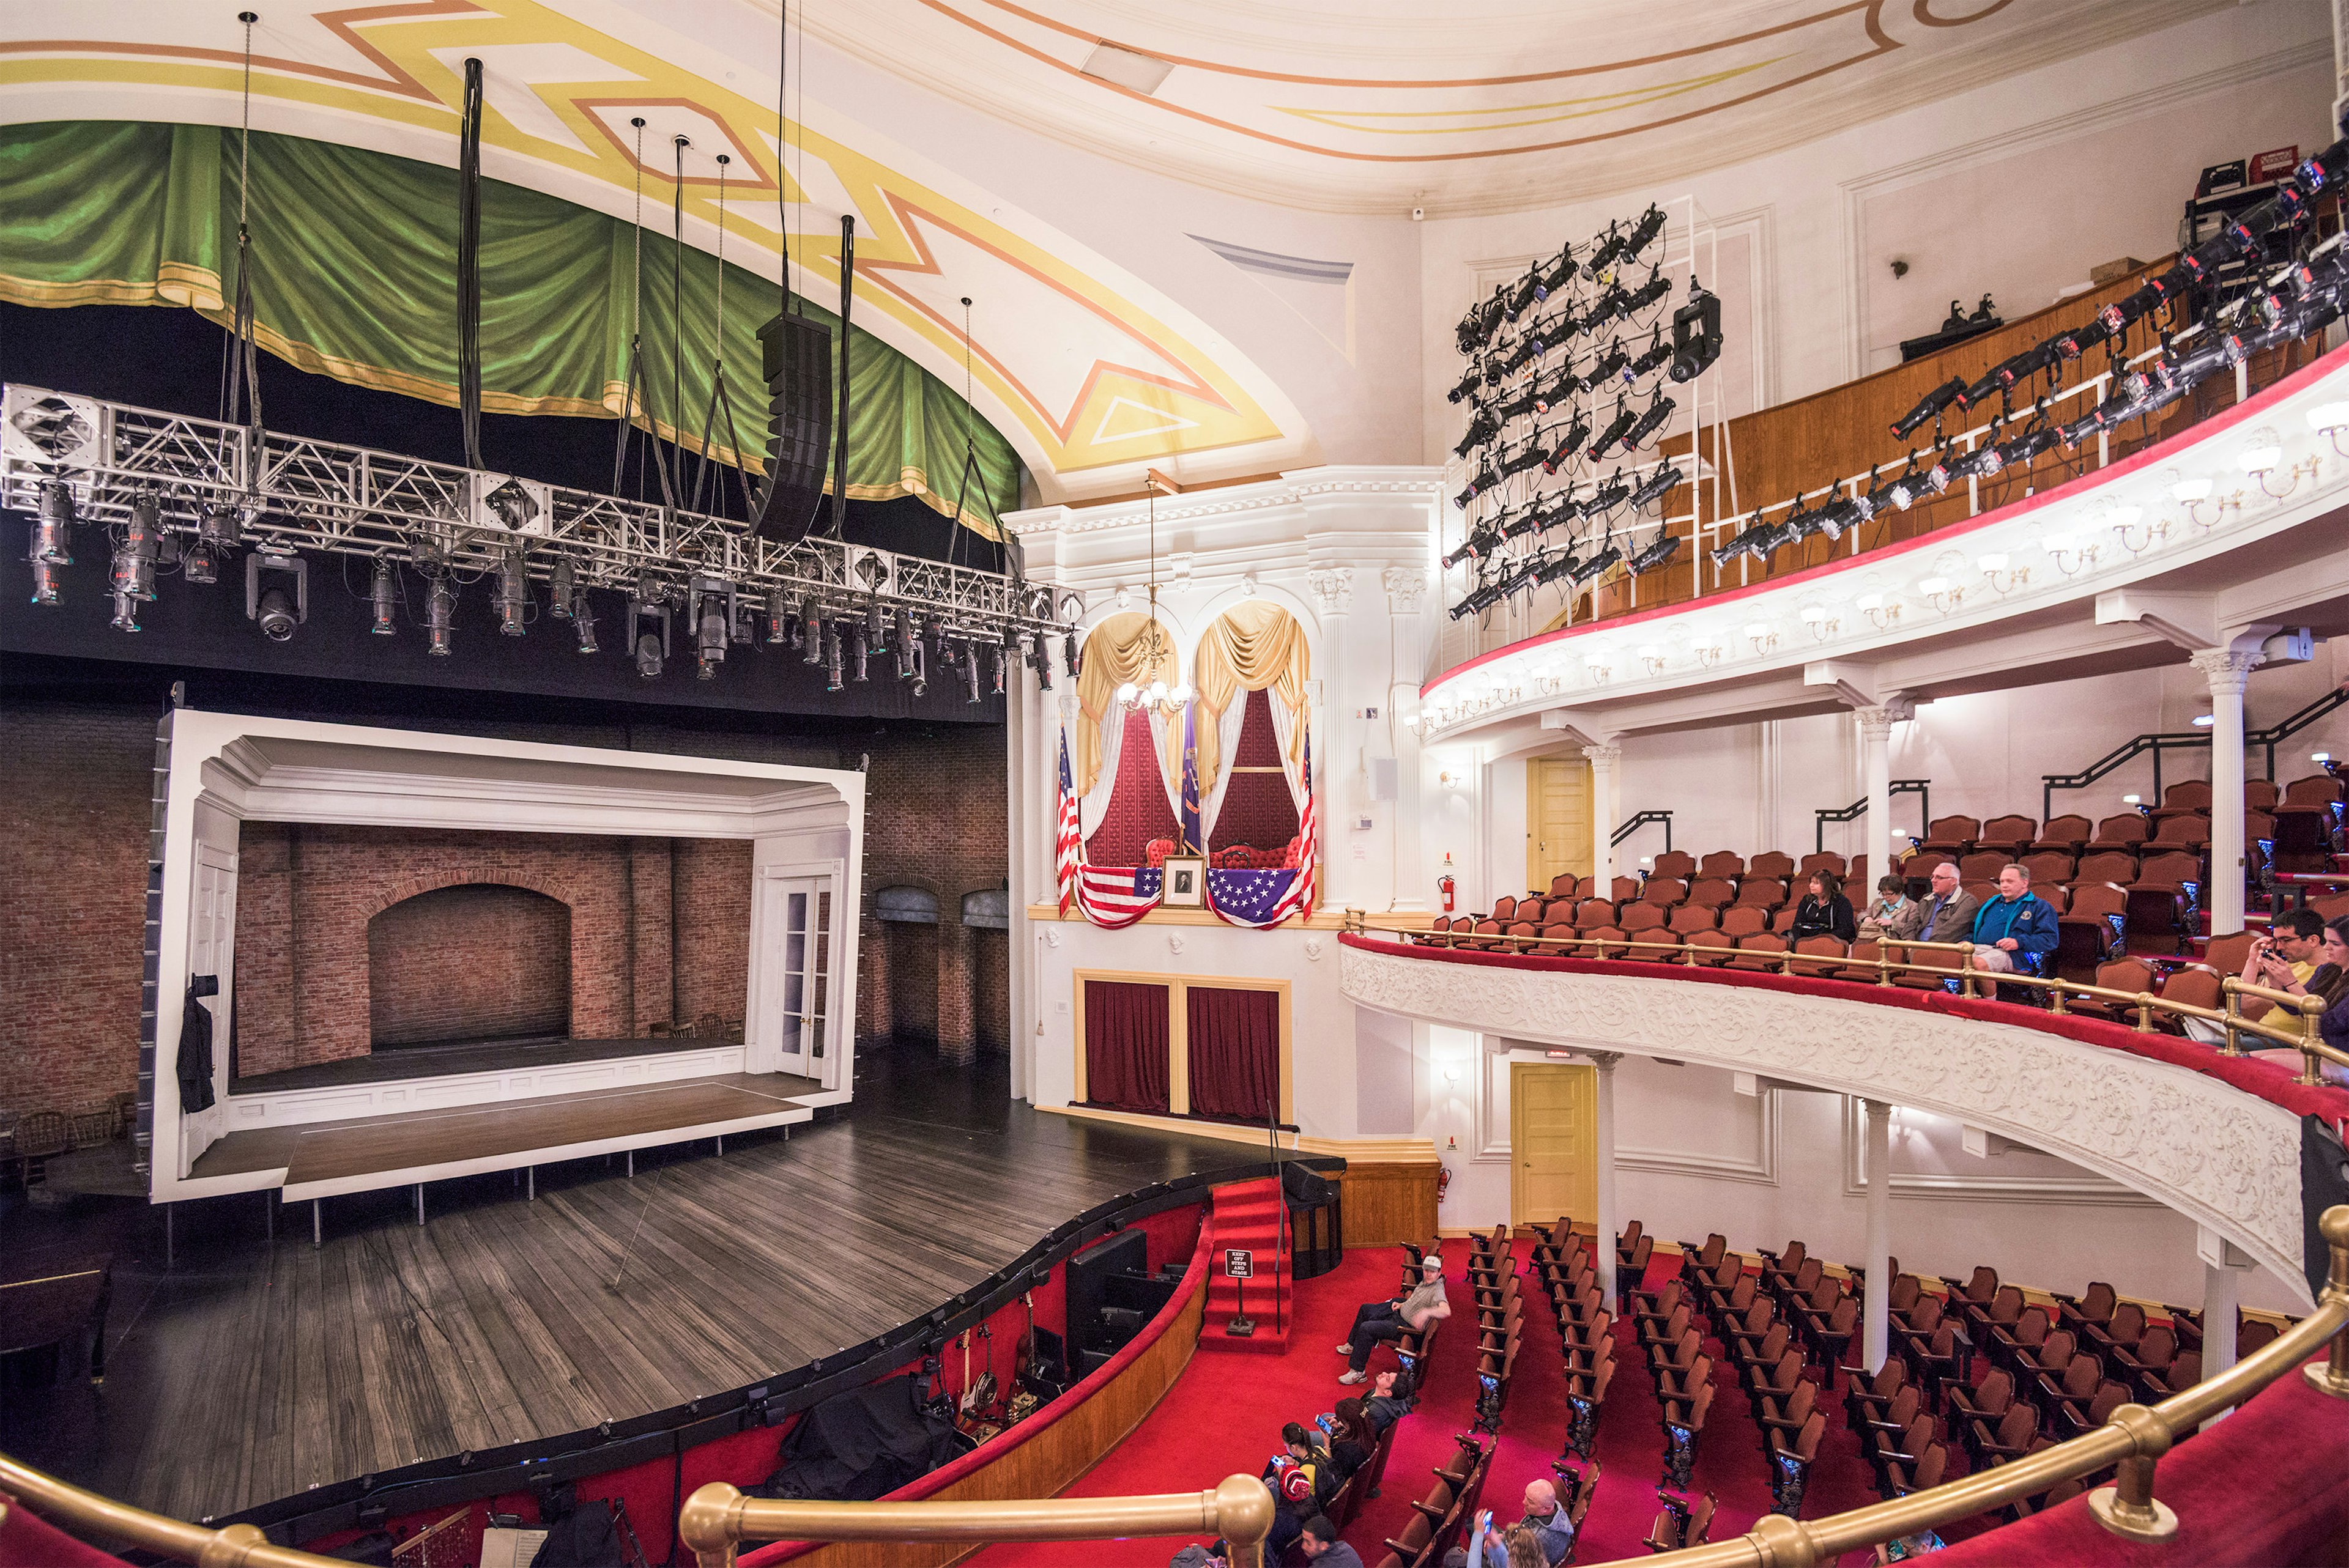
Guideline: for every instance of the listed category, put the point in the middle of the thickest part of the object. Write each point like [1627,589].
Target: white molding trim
[2160,98]
[2086,1187]
[1760,1171]
[2224,1158]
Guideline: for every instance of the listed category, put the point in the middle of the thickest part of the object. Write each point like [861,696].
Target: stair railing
[1852,813]
[1642,820]
[2128,751]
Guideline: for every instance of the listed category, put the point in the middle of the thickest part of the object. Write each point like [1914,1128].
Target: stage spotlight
[710,632]
[995,661]
[742,632]
[583,620]
[1606,496]
[971,669]
[1660,548]
[1654,486]
[1610,247]
[859,652]
[1596,565]
[811,631]
[222,526]
[1696,333]
[278,610]
[1648,293]
[1555,274]
[1652,358]
[906,644]
[197,564]
[1616,429]
[125,612]
[1604,369]
[1069,655]
[1930,405]
[52,529]
[559,591]
[136,550]
[45,583]
[779,616]
[1482,428]
[1644,429]
[1650,224]
[831,681]
[1552,568]
[512,598]
[648,629]
[383,595]
[921,686]
[440,617]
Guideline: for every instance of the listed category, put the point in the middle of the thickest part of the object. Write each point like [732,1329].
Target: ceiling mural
[1382,105]
[1092,374]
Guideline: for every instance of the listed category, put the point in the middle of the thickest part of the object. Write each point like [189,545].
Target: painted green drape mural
[354,276]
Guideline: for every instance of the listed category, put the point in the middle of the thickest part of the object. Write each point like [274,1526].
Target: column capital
[2227,668]
[1605,755]
[1405,585]
[1333,589]
[1876,722]
[1605,1061]
[1877,1110]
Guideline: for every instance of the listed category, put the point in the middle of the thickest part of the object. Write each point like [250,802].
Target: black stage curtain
[1126,1046]
[1235,1043]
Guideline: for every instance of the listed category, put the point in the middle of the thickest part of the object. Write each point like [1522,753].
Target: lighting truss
[297,494]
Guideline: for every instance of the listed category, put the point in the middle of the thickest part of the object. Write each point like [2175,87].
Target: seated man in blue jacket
[2015,932]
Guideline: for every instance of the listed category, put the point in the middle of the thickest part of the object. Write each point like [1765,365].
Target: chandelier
[1157,697]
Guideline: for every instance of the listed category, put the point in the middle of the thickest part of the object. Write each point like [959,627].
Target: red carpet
[1224,1416]
[1248,1217]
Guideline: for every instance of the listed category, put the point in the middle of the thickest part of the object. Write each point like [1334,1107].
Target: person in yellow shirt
[2287,955]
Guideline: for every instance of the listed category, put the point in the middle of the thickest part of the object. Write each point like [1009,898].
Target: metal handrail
[2157,742]
[2133,1440]
[2308,1041]
[1640,820]
[91,1517]
[1920,788]
[717,1516]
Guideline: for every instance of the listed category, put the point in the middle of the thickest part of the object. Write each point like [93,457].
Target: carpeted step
[1246,1215]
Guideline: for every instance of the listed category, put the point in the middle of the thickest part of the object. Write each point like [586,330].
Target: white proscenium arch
[2224,1158]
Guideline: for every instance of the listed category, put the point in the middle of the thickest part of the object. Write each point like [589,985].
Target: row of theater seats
[1561,1263]
[1442,1518]
[1975,1365]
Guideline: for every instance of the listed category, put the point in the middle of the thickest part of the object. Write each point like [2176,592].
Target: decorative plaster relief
[2226,1159]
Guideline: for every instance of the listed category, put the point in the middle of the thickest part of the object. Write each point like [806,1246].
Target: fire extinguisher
[1445,885]
[1443,1181]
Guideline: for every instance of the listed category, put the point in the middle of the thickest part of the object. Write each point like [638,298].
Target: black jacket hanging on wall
[195,1064]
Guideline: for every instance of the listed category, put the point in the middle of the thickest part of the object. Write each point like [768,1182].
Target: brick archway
[468,961]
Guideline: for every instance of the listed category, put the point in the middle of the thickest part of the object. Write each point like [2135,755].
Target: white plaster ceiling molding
[1380,106]
[1092,374]
[2213,512]
[2227,1159]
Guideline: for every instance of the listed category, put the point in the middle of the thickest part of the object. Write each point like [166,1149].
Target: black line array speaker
[795,355]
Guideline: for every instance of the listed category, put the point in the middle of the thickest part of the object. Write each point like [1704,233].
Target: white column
[1876,768]
[2223,1269]
[1019,781]
[1604,1247]
[1876,1309]
[1414,883]
[2226,669]
[1603,760]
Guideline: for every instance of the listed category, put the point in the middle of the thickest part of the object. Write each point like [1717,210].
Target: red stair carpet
[1248,1216]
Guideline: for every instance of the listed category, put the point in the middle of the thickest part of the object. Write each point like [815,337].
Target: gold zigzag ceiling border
[1200,405]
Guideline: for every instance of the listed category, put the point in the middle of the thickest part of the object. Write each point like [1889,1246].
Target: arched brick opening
[468,961]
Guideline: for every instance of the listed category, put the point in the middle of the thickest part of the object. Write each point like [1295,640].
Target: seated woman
[2329,983]
[1390,1320]
[1349,1439]
[1823,912]
[1892,913]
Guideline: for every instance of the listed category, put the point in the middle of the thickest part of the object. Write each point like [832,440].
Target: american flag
[1262,899]
[1069,845]
[1116,896]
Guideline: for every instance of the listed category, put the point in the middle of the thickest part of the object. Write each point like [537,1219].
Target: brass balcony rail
[2133,1440]
[109,1524]
[717,1517]
[2305,1039]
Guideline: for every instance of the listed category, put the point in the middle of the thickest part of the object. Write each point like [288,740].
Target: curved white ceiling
[1091,373]
[1380,106]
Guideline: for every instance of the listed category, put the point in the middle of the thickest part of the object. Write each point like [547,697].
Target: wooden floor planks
[255,1371]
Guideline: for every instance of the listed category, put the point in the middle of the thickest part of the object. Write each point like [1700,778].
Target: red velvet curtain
[1234,1046]
[1126,1046]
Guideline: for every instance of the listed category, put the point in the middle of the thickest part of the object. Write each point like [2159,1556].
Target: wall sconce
[1599,662]
[2203,720]
[2328,420]
[1654,657]
[1879,614]
[1449,780]
[2002,576]
[1707,651]
[2320,758]
[2122,519]
[1759,633]
[2189,494]
[2132,799]
[2061,545]
[1818,622]
[1940,589]
[2262,455]
[1452,1073]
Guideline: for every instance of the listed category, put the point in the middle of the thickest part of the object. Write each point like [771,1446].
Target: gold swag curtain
[1117,651]
[1252,646]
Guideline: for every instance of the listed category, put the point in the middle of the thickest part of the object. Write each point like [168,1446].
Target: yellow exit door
[1553,1143]
[1557,821]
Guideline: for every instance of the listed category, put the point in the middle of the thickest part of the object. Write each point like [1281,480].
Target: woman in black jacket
[1823,912]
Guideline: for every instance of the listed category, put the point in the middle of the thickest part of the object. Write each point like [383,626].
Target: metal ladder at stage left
[298,494]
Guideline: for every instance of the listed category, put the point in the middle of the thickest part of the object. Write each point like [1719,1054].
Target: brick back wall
[478,961]
[711,915]
[75,782]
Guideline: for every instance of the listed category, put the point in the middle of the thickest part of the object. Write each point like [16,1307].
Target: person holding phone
[1543,1538]
[2285,957]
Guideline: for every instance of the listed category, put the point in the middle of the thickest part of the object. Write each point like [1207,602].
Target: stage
[406,1062]
[252,1371]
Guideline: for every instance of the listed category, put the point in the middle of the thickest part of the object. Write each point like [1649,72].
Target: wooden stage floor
[252,1371]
